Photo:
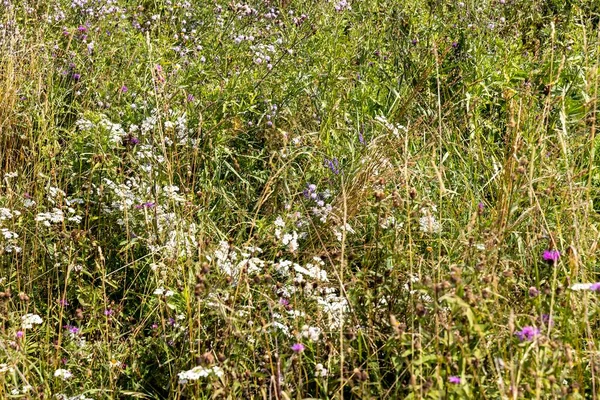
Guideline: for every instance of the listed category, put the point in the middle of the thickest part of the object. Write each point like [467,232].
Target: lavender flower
[454,379]
[533,291]
[527,333]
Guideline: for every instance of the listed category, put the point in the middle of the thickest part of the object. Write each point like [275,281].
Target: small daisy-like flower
[527,333]
[454,379]
[551,256]
[298,347]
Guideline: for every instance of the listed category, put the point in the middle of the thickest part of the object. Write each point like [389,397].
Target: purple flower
[533,291]
[190,97]
[134,141]
[333,165]
[124,89]
[73,329]
[545,319]
[20,334]
[527,333]
[108,312]
[283,301]
[298,347]
[63,302]
[551,256]
[595,287]
[76,77]
[454,379]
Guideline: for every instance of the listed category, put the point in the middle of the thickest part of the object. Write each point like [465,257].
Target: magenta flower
[527,333]
[124,89]
[595,287]
[454,379]
[298,347]
[20,334]
[551,256]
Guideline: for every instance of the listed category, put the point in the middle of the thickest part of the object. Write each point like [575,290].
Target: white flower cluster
[320,371]
[10,237]
[314,271]
[231,260]
[428,223]
[338,232]
[63,374]
[56,216]
[28,320]
[199,372]
[6,213]
[163,292]
[290,240]
[311,332]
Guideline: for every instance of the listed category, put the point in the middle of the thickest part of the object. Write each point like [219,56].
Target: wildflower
[585,286]
[320,371]
[533,291]
[428,223]
[454,379]
[528,333]
[63,374]
[595,287]
[551,256]
[124,89]
[199,372]
[311,332]
[298,348]
[20,334]
[28,320]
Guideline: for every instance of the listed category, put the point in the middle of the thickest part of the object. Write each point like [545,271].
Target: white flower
[279,222]
[199,372]
[320,371]
[5,368]
[311,332]
[63,374]
[28,320]
[428,222]
[581,286]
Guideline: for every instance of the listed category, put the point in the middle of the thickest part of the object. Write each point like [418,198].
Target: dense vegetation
[299,199]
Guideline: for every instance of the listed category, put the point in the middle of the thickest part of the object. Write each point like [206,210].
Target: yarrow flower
[28,320]
[63,374]
[199,372]
[527,333]
[551,256]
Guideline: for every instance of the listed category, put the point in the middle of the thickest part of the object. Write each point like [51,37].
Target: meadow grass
[297,199]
